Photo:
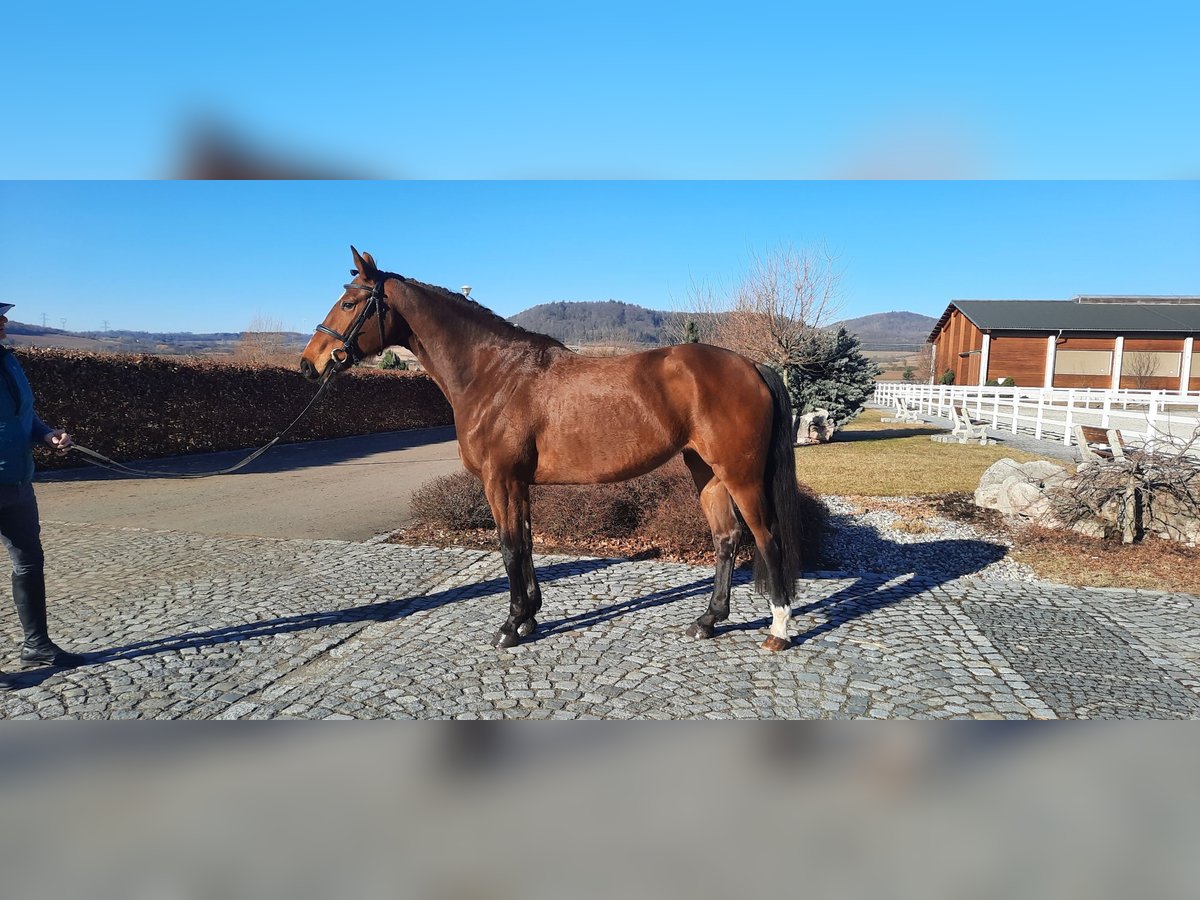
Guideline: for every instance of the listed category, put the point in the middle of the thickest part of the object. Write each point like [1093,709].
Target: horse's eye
[347,304]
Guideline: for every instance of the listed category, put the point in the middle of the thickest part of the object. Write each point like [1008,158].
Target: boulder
[998,486]
[998,471]
[814,427]
[1043,471]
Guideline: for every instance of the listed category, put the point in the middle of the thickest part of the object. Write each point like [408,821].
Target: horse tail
[783,493]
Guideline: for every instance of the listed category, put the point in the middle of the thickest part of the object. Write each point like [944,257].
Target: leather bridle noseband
[375,304]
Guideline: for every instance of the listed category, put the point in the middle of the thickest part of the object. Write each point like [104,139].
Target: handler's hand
[59,440]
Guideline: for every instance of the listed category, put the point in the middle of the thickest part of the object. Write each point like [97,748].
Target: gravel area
[870,541]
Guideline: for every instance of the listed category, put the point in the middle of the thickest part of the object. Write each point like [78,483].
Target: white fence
[1053,413]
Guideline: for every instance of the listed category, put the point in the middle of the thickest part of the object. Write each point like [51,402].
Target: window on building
[1195,373]
[1151,364]
[1083,362]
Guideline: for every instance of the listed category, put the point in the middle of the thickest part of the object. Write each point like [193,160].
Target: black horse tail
[783,493]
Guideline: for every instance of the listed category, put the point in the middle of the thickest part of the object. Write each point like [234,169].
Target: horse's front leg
[509,500]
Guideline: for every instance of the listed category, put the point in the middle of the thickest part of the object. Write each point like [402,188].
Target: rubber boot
[29,595]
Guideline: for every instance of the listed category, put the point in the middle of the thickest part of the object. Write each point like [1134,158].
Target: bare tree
[263,343]
[1155,488]
[1141,367]
[774,313]
[923,365]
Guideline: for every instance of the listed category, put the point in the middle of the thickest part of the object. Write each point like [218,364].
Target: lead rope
[103,462]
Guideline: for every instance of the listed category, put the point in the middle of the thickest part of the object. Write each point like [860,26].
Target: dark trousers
[20,528]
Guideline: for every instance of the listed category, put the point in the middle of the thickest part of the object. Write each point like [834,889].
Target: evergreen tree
[691,334]
[839,378]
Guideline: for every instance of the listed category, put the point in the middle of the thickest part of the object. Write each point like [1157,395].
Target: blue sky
[211,256]
[611,89]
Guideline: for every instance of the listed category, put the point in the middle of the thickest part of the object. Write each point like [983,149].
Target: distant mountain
[595,322]
[581,323]
[891,330]
[160,342]
[577,323]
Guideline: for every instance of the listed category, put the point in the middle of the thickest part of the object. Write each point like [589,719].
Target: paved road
[187,625]
[347,489]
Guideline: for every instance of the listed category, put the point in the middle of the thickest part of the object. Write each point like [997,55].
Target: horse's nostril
[306,368]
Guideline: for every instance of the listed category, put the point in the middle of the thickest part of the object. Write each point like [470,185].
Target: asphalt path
[345,489]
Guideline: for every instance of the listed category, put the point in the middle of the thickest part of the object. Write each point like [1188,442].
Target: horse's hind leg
[509,501]
[726,531]
[770,577]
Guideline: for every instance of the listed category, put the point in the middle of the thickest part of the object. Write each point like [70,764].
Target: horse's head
[360,324]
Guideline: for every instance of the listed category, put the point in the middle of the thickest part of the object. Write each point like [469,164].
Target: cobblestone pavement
[194,626]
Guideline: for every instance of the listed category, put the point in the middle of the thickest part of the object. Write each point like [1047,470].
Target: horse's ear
[365,264]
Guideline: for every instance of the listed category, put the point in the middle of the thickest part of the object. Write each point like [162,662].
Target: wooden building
[1131,343]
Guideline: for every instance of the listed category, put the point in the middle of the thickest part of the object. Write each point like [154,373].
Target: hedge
[131,407]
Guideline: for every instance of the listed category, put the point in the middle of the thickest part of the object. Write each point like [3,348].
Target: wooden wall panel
[1020,357]
[1164,343]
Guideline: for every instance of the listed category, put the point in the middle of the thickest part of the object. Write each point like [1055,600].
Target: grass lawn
[873,459]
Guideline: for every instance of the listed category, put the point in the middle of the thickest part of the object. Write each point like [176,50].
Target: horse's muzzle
[308,370]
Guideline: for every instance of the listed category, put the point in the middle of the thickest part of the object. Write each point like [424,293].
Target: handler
[20,529]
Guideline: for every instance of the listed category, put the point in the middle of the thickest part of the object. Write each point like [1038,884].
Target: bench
[965,428]
[905,412]
[1099,443]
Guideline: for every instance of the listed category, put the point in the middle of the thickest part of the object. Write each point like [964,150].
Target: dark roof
[1176,315]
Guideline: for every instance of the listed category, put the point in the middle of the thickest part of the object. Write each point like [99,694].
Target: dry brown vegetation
[1065,557]
[651,516]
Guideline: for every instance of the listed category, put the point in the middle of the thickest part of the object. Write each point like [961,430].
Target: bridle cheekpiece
[375,304]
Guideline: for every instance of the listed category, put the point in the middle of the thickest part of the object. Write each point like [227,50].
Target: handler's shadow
[383,611]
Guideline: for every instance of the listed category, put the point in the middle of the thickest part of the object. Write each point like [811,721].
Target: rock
[1091,528]
[814,427]
[988,497]
[1016,496]
[1043,471]
[998,471]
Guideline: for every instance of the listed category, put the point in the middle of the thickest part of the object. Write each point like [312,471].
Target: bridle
[375,304]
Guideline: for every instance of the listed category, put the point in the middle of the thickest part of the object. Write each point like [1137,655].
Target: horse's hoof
[775,644]
[700,632]
[526,628]
[505,639]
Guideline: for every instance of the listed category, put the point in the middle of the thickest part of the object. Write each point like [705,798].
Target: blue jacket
[20,427]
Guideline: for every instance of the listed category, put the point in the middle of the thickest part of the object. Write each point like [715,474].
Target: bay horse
[527,410]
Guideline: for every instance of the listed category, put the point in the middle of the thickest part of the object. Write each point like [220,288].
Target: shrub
[139,407]
[390,360]
[453,501]
[947,377]
[1008,382]
[657,511]
[992,382]
[837,378]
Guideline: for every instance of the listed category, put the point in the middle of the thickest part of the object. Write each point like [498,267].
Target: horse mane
[480,314]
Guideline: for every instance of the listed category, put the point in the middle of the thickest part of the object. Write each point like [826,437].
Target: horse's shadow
[871,591]
[930,564]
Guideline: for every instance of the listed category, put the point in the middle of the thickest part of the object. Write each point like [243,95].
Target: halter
[375,303]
